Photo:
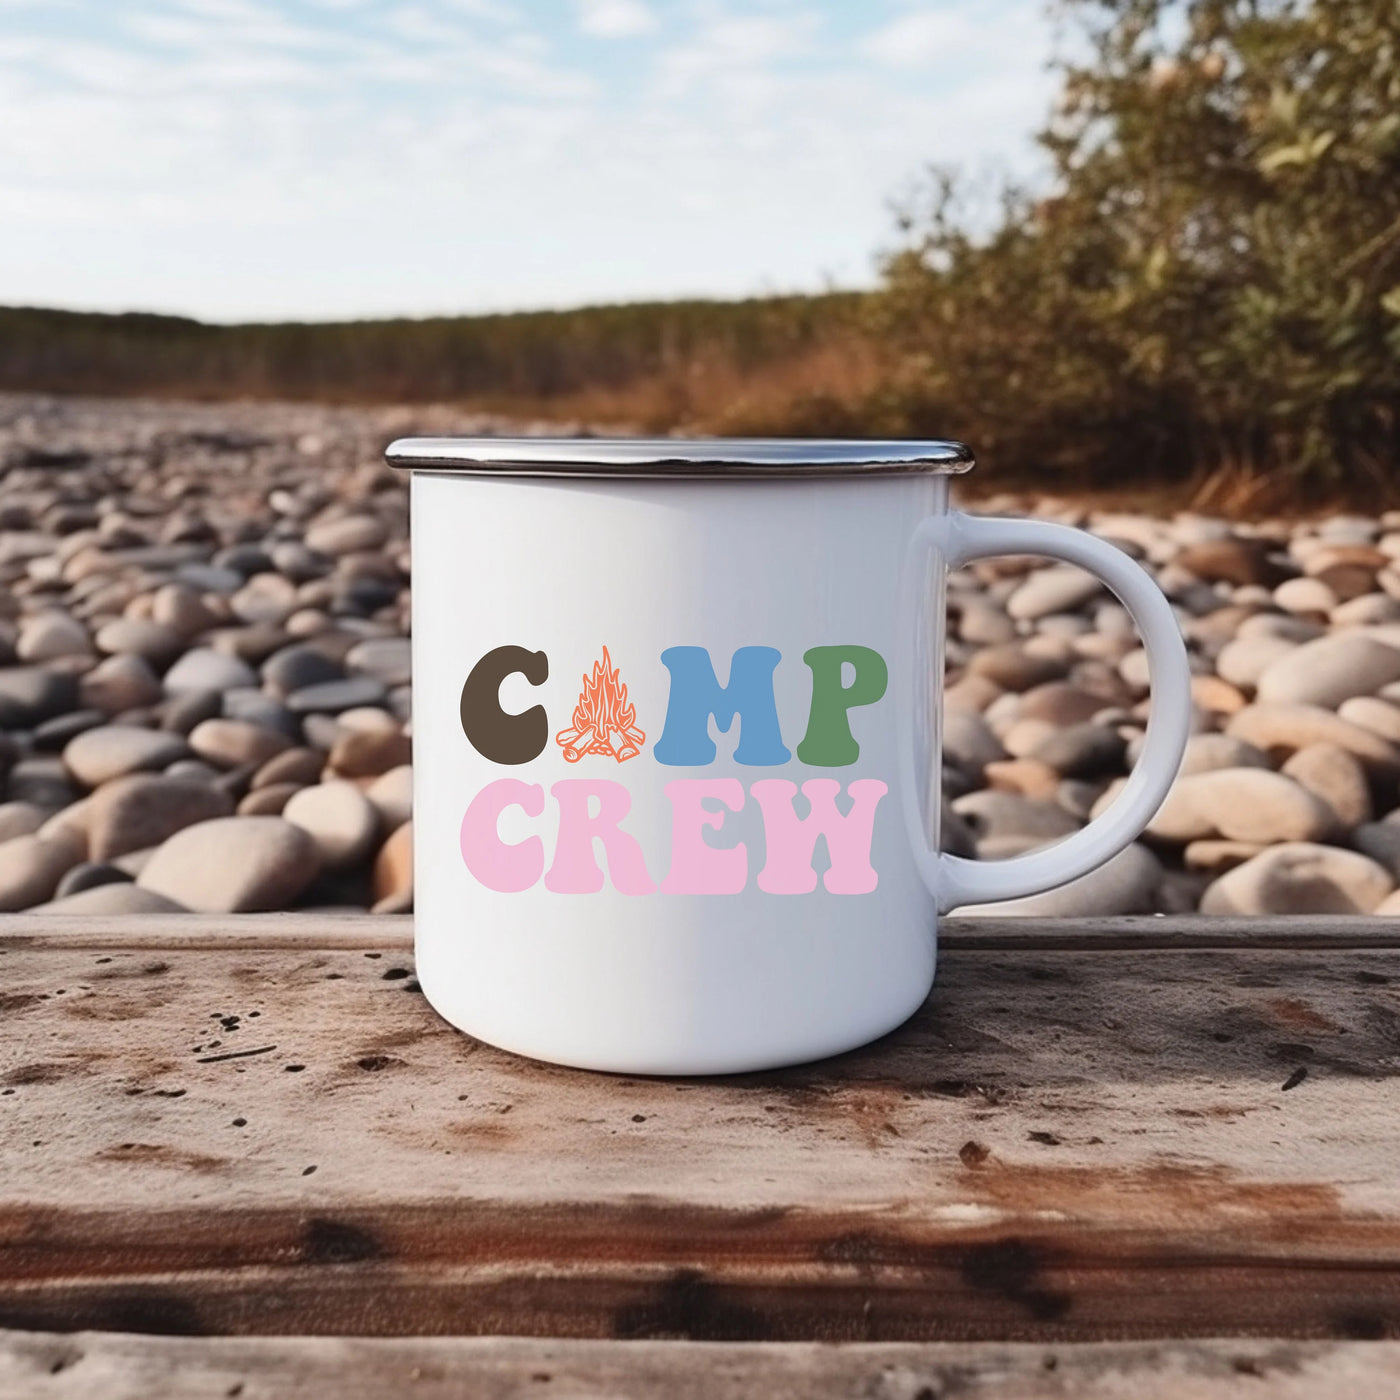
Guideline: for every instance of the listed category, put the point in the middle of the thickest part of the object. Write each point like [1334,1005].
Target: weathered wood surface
[77,1366]
[208,1134]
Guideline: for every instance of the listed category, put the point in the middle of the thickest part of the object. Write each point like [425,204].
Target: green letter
[828,742]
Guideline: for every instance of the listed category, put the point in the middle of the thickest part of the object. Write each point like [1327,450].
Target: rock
[1283,729]
[254,707]
[231,743]
[393,872]
[295,561]
[134,862]
[113,750]
[1077,798]
[1133,668]
[43,781]
[1013,668]
[301,766]
[1379,716]
[152,640]
[1213,629]
[321,731]
[1351,554]
[391,795]
[1072,625]
[31,867]
[1058,588]
[1288,629]
[1216,695]
[265,598]
[115,898]
[233,865]
[53,735]
[29,695]
[297,667]
[389,659]
[1380,841]
[1024,737]
[348,535]
[51,635]
[332,696]
[184,711]
[339,818]
[967,740]
[69,821]
[209,578]
[368,717]
[1241,662]
[1026,776]
[367,754]
[1082,751]
[1330,670]
[246,559]
[20,819]
[1330,773]
[136,812]
[89,876]
[1241,804]
[253,643]
[973,693]
[1123,885]
[1059,702]
[1300,878]
[306,622]
[268,801]
[979,622]
[1217,856]
[995,815]
[206,669]
[1349,581]
[1305,595]
[180,608]
[120,683]
[1369,610]
[1232,560]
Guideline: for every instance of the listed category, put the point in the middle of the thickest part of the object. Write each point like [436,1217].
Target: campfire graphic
[604,723]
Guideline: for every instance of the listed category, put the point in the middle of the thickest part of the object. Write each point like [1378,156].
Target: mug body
[662,764]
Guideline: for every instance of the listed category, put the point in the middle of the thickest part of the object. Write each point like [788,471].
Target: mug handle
[959,538]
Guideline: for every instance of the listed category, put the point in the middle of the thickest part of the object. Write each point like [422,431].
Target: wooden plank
[38,1366]
[1055,1147]
[336,929]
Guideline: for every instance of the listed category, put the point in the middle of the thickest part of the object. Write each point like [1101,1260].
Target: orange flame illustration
[604,723]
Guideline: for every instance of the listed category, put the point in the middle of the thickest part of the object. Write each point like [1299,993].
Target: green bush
[1213,283]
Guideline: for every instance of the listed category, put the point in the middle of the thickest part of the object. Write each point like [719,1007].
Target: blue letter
[696,695]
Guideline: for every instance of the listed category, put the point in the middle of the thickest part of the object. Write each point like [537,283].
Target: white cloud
[256,158]
[920,38]
[615,19]
[735,57]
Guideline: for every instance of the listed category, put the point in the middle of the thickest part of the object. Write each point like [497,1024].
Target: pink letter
[697,868]
[574,870]
[496,864]
[791,840]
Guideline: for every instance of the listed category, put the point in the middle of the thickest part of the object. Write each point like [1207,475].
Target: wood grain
[1142,1142]
[36,1366]
[352,930]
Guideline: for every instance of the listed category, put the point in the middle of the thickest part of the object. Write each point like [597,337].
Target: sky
[316,159]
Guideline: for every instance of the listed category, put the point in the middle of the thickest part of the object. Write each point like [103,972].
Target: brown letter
[491,731]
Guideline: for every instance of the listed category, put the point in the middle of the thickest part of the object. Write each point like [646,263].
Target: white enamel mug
[677,741]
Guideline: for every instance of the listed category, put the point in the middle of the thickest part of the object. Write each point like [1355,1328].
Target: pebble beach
[206,704]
